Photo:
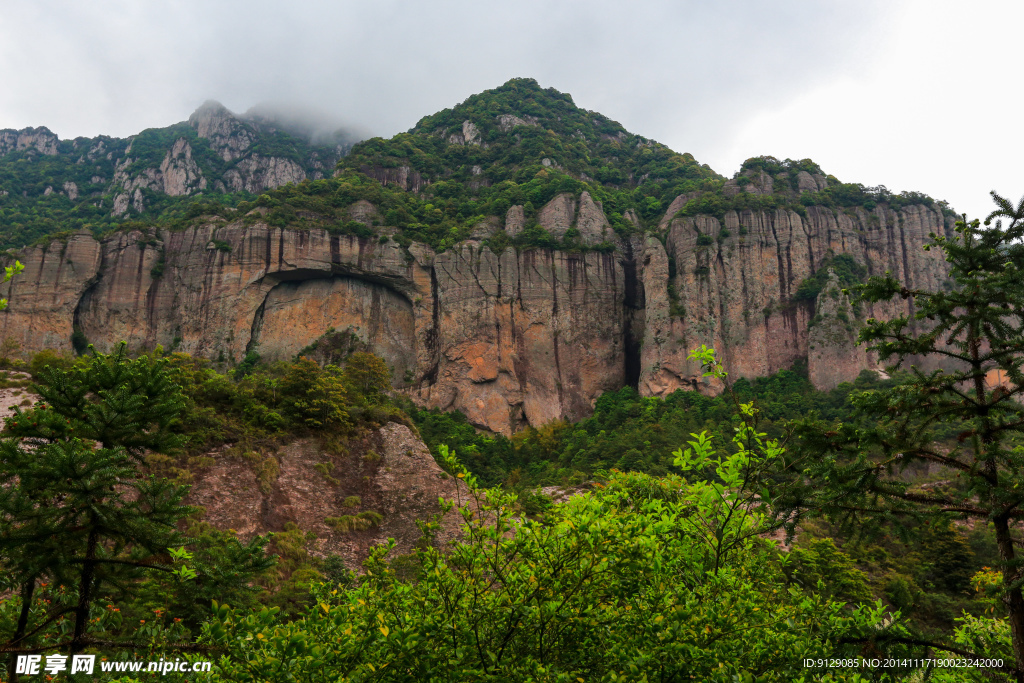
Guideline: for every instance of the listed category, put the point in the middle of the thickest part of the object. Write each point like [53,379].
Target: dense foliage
[83,526]
[627,431]
[846,268]
[614,545]
[659,568]
[621,585]
[855,473]
[520,125]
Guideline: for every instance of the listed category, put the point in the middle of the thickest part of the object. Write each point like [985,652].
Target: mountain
[513,257]
[50,185]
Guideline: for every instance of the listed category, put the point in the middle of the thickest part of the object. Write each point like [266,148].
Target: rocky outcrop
[507,122]
[403,176]
[390,472]
[228,136]
[735,280]
[177,175]
[515,220]
[515,338]
[558,215]
[257,173]
[805,182]
[39,139]
[256,153]
[565,213]
[179,172]
[833,355]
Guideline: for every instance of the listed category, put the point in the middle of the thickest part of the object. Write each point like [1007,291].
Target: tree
[316,396]
[111,399]
[9,273]
[965,419]
[627,583]
[324,406]
[84,515]
[78,508]
[367,374]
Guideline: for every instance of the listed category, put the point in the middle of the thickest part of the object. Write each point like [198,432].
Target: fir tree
[965,419]
[77,506]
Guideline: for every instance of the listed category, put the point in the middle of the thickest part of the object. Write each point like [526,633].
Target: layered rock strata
[734,283]
[516,338]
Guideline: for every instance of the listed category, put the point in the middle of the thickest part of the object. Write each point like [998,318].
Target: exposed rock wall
[402,484]
[296,313]
[833,355]
[734,291]
[45,296]
[39,139]
[521,337]
[525,337]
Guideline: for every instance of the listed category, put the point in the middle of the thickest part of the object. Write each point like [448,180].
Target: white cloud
[936,109]
[915,94]
[115,66]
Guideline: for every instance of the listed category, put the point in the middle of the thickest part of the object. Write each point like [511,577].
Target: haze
[915,95]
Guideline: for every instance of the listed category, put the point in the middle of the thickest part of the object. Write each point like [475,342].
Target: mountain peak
[520,129]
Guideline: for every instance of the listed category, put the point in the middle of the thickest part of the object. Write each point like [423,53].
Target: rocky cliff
[735,281]
[87,180]
[512,257]
[388,472]
[522,336]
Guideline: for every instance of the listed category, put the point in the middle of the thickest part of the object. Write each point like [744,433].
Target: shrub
[48,359]
[360,522]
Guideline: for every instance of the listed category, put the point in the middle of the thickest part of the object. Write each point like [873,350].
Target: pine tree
[956,419]
[111,399]
[84,515]
[77,507]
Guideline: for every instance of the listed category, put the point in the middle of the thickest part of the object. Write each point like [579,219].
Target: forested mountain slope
[50,185]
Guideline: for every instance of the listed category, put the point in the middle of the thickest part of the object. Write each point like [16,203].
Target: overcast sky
[911,94]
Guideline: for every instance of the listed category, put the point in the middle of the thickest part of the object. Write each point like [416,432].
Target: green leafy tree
[367,374]
[729,486]
[9,273]
[321,399]
[628,583]
[854,473]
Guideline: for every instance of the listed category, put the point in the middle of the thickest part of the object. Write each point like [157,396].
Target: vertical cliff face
[219,290]
[525,337]
[514,338]
[833,355]
[734,283]
[45,296]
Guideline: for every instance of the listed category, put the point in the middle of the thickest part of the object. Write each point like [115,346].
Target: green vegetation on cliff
[627,431]
[518,129]
[439,183]
[75,188]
